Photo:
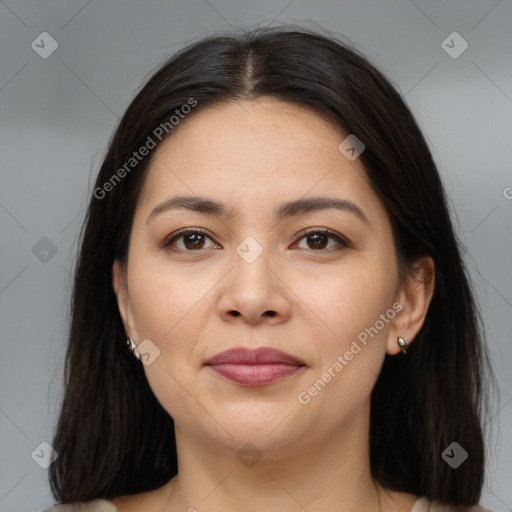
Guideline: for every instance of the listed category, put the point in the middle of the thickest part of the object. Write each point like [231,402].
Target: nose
[255,293]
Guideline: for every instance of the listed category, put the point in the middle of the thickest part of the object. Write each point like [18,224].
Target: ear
[120,286]
[414,297]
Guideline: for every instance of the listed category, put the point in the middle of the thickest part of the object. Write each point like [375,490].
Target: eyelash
[344,243]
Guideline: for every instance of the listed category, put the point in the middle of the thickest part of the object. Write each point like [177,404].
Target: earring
[133,348]
[402,344]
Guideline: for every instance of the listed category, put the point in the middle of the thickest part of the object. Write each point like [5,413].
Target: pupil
[196,240]
[316,238]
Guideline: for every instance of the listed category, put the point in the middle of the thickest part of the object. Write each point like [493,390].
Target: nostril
[235,313]
[270,313]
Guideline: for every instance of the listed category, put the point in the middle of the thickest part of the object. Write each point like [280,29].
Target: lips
[255,367]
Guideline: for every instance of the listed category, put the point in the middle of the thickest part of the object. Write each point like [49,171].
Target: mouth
[255,367]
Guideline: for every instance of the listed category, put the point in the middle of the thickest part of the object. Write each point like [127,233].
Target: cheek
[350,303]
[163,298]
[350,300]
[166,305]
[350,354]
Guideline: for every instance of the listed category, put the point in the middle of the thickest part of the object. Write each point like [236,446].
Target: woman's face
[256,278]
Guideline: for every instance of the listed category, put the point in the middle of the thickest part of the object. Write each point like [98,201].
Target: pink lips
[254,367]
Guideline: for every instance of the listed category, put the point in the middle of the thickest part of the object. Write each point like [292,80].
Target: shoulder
[90,506]
[147,500]
[424,505]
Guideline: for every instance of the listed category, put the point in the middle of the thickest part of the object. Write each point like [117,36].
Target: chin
[267,427]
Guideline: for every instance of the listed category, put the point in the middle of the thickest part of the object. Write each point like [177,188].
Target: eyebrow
[284,211]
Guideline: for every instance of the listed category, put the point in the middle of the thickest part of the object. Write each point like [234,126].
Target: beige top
[421,505]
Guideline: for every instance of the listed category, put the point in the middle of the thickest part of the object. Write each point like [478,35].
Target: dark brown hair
[114,438]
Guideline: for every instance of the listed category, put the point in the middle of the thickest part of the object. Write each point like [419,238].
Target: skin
[252,156]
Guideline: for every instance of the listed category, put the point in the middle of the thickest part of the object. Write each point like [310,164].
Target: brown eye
[318,240]
[192,240]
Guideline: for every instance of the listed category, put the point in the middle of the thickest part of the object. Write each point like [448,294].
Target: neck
[331,472]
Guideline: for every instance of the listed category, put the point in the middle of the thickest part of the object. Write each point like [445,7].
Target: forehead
[254,151]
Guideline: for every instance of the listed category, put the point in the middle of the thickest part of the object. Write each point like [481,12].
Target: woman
[269,235]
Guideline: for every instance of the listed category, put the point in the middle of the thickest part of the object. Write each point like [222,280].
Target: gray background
[57,115]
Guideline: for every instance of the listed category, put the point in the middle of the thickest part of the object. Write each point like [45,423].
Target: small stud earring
[133,348]
[402,344]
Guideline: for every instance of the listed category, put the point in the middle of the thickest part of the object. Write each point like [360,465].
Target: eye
[317,239]
[193,240]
